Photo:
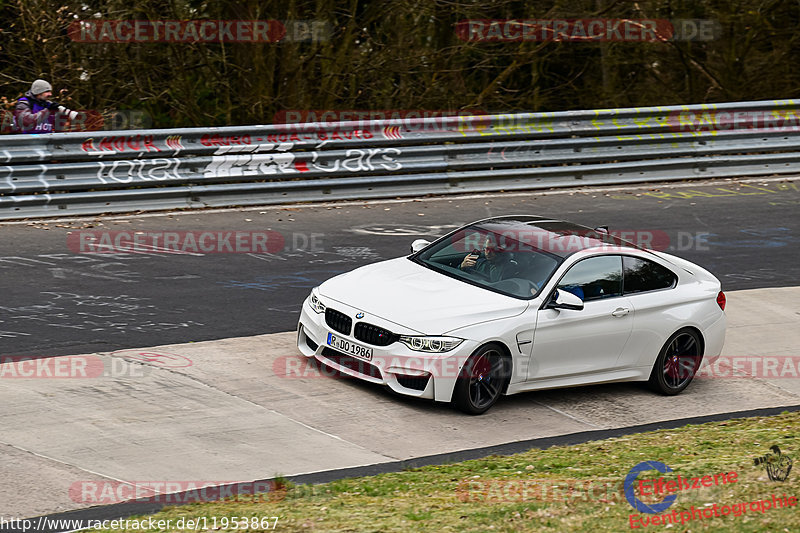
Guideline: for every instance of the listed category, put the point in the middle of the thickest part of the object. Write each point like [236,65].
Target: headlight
[430,344]
[315,304]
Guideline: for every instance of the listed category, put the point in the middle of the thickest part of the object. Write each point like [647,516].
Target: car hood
[418,298]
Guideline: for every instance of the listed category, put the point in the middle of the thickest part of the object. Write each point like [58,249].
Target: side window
[594,278]
[641,275]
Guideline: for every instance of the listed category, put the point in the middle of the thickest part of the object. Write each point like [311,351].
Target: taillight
[721,300]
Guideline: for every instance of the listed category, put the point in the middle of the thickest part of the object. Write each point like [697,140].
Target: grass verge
[563,488]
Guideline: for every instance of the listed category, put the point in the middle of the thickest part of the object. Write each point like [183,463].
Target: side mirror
[418,245]
[565,300]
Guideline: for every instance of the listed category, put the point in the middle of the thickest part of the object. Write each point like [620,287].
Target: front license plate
[350,348]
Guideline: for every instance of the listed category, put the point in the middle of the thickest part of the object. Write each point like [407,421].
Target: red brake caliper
[481,368]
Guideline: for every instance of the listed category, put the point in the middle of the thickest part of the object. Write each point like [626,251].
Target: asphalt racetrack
[59,302]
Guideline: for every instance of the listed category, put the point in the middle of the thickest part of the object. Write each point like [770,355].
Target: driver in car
[494,263]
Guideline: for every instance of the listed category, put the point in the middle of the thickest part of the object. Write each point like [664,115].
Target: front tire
[677,362]
[482,380]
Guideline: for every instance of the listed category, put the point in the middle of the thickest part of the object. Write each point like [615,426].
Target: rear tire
[677,362]
[482,380]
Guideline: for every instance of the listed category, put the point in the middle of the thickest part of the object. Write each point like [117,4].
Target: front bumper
[403,370]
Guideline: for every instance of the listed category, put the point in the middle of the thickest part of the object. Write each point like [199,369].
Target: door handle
[620,311]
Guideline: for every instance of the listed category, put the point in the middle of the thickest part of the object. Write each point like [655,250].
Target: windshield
[493,256]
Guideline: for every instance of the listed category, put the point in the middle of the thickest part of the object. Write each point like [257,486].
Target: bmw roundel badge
[360,315]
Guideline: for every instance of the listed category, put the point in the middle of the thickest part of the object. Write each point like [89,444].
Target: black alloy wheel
[677,363]
[482,380]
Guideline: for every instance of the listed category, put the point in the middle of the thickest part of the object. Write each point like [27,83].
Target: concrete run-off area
[249,408]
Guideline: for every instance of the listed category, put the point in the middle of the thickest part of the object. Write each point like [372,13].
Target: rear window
[642,275]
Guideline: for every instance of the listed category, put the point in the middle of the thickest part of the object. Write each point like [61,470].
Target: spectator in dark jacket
[35,113]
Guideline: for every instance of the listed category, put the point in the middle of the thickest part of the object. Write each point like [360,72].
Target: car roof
[558,237]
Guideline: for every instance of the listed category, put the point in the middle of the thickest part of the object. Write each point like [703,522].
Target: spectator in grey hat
[35,113]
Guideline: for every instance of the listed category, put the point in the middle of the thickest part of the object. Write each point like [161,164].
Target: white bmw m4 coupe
[513,304]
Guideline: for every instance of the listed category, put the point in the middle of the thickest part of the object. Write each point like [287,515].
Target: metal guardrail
[101,172]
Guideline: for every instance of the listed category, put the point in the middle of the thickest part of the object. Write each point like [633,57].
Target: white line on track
[575,418]
[71,465]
